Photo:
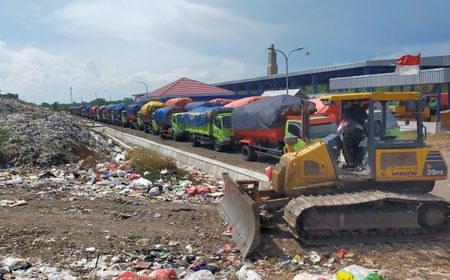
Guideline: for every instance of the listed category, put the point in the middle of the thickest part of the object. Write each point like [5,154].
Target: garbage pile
[30,136]
[107,179]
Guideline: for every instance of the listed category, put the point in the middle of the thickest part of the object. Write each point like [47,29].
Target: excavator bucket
[240,212]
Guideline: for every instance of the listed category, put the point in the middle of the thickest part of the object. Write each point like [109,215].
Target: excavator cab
[403,158]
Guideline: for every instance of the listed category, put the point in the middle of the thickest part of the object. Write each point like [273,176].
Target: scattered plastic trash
[208,267]
[200,275]
[128,275]
[153,191]
[314,257]
[90,249]
[163,274]
[296,262]
[341,253]
[164,172]
[247,274]
[112,166]
[134,176]
[142,183]
[15,182]
[309,276]
[198,190]
[12,203]
[356,272]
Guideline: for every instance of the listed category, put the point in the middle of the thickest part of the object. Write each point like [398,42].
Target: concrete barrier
[211,166]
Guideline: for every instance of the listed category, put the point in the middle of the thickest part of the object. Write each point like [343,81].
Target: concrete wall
[211,166]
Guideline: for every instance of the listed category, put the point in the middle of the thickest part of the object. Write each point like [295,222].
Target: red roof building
[186,87]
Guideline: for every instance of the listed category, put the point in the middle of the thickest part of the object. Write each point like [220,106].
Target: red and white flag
[408,65]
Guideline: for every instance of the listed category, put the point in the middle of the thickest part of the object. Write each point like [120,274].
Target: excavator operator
[352,133]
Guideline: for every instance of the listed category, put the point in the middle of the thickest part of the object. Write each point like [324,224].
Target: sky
[103,47]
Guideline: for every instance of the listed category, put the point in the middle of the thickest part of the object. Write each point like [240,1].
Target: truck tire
[217,146]
[248,153]
[175,137]
[194,141]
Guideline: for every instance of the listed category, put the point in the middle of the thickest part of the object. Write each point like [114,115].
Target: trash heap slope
[31,136]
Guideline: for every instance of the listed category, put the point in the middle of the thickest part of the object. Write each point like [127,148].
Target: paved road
[431,126]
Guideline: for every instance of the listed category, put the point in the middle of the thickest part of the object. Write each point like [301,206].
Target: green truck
[206,126]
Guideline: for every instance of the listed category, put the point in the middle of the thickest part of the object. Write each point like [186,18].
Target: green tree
[99,101]
[127,100]
[55,106]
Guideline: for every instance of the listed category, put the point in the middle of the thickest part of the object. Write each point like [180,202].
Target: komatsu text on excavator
[322,201]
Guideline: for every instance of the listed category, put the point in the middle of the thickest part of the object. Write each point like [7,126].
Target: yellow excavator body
[306,168]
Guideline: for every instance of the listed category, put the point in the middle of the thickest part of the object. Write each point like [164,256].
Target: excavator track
[367,217]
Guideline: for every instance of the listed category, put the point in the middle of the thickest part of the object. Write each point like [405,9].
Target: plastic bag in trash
[356,272]
[200,275]
[163,274]
[247,274]
[308,276]
[127,275]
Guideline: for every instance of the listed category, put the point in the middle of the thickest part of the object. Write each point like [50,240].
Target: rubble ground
[62,221]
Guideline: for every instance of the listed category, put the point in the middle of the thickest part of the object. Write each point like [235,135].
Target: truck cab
[320,126]
[222,131]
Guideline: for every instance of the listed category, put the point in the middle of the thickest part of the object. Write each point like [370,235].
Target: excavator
[323,202]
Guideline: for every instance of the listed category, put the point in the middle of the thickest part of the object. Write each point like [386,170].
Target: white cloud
[113,44]
[439,48]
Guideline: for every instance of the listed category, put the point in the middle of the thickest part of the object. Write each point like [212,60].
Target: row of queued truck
[258,125]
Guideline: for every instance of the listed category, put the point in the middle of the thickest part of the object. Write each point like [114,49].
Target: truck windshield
[226,122]
[322,130]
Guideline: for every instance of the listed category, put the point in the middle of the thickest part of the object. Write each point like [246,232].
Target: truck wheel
[217,146]
[194,141]
[175,137]
[248,153]
[155,132]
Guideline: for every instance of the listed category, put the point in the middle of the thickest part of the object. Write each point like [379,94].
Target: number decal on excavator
[435,169]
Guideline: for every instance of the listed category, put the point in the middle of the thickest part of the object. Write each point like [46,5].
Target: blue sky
[106,45]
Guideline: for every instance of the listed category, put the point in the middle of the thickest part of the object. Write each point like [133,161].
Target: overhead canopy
[381,96]
[186,87]
[292,92]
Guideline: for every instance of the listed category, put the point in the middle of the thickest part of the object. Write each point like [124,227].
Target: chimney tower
[272,67]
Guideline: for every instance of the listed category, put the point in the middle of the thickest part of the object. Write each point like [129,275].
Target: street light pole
[286,58]
[146,88]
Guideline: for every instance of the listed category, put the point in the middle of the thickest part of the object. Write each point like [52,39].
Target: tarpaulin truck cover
[200,116]
[150,106]
[178,102]
[268,113]
[162,115]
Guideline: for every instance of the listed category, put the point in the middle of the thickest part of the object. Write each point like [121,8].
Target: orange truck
[263,125]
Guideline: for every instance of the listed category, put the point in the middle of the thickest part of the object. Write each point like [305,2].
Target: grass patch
[89,156]
[145,160]
[36,115]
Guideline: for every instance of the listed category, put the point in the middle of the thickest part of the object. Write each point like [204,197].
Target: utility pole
[71,96]
[145,84]
[286,58]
